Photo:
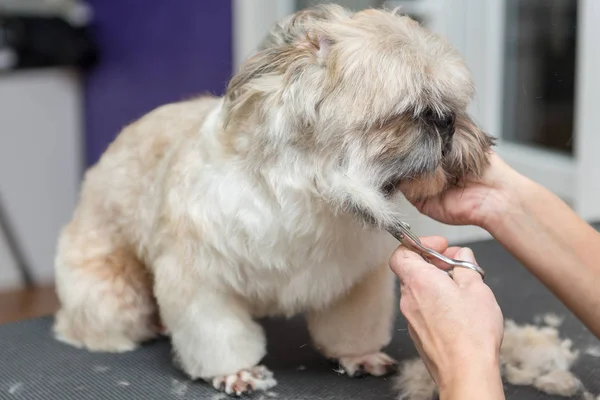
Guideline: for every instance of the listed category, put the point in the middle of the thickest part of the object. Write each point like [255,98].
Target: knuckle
[405,305]
[404,268]
[398,262]
[416,282]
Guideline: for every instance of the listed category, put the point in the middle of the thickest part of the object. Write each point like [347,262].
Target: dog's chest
[279,248]
[303,272]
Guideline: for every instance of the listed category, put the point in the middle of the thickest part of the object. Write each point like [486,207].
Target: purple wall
[151,53]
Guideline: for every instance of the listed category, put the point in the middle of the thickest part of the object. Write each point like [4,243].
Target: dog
[273,200]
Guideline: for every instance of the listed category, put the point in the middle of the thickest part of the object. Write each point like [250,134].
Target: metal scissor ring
[405,236]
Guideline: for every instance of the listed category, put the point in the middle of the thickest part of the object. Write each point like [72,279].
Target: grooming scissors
[403,234]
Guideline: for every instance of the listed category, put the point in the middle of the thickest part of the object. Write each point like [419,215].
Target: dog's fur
[271,200]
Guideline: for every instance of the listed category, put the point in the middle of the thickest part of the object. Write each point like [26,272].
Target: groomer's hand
[455,323]
[481,202]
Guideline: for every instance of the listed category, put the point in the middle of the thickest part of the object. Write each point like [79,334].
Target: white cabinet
[40,163]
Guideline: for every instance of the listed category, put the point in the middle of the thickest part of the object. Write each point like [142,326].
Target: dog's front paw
[245,381]
[376,364]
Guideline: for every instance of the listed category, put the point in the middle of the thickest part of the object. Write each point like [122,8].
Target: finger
[465,277]
[450,252]
[438,203]
[413,335]
[410,266]
[433,202]
[417,342]
[437,243]
[419,203]
[404,262]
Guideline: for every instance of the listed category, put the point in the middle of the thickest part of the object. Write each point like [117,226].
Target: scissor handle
[405,236]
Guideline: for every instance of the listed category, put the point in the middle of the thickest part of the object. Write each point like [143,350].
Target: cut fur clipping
[531,355]
[414,381]
[537,356]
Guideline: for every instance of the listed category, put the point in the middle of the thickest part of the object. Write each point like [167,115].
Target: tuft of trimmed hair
[531,355]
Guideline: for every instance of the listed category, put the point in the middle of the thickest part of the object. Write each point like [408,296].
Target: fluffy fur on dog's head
[363,104]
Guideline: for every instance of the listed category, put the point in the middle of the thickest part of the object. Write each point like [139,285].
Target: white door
[535,64]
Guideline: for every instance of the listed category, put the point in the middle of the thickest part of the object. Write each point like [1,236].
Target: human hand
[456,324]
[481,202]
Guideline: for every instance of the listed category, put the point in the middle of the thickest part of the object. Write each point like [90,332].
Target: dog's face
[375,101]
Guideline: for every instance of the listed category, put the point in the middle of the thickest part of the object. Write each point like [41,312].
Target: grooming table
[34,366]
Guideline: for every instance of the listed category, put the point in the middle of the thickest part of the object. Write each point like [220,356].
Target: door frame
[587,131]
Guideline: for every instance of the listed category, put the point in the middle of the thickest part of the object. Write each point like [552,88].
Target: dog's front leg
[354,329]
[213,335]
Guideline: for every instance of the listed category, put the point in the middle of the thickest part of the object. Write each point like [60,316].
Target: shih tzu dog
[272,200]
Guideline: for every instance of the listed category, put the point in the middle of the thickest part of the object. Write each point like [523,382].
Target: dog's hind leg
[105,293]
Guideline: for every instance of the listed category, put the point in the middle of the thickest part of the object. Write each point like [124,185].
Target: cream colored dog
[271,200]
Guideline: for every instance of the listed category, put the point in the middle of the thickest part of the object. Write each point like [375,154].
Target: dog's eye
[441,121]
[429,115]
[449,120]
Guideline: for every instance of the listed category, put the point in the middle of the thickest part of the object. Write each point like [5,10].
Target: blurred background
[73,73]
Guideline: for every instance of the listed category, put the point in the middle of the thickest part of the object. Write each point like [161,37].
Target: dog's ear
[317,43]
[292,44]
[295,28]
[290,40]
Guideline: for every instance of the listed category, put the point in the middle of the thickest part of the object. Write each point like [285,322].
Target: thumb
[408,265]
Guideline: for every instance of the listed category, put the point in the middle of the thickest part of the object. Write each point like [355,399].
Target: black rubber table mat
[34,366]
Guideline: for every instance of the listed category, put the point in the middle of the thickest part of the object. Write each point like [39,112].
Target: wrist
[507,199]
[473,379]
